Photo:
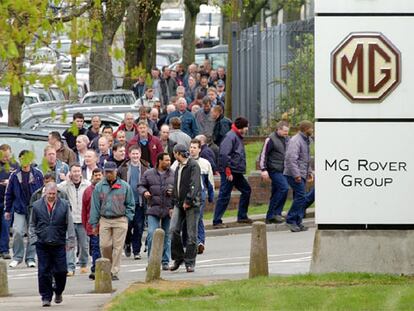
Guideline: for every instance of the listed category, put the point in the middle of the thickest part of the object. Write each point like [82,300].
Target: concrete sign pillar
[365,132]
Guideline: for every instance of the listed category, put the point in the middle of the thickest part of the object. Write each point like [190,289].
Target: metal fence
[273,74]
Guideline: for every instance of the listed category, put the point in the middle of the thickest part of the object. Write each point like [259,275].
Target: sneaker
[14,264]
[128,250]
[190,269]
[45,303]
[83,270]
[6,256]
[165,267]
[200,248]
[176,264]
[245,221]
[58,298]
[270,221]
[92,276]
[220,226]
[303,228]
[280,219]
[31,264]
[115,277]
[293,227]
[70,273]
[137,256]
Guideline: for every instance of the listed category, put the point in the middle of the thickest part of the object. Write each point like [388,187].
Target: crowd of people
[101,186]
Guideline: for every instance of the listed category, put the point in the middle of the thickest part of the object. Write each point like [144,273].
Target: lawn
[252,152]
[300,292]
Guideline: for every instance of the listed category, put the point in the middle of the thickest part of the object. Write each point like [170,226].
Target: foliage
[297,103]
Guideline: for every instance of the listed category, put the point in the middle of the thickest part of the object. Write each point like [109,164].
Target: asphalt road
[226,257]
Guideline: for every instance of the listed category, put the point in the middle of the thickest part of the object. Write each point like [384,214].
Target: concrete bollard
[103,277]
[258,251]
[154,262]
[4,285]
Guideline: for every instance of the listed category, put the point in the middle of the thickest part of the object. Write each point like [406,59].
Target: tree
[140,38]
[192,8]
[27,23]
[110,14]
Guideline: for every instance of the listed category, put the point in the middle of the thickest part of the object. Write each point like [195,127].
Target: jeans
[20,228]
[177,250]
[94,250]
[301,201]
[201,232]
[224,196]
[51,262]
[155,222]
[82,242]
[278,198]
[136,229]
[4,235]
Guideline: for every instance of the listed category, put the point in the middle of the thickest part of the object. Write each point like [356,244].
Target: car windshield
[208,18]
[218,59]
[172,17]
[58,94]
[18,144]
[43,94]
[28,100]
[162,60]
[110,99]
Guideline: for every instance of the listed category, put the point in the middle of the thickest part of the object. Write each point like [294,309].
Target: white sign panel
[364,67]
[364,6]
[365,173]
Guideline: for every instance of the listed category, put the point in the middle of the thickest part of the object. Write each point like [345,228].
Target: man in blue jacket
[188,122]
[232,166]
[22,184]
[50,223]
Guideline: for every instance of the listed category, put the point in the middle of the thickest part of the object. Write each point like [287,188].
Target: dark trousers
[5,235]
[301,201]
[191,220]
[136,229]
[224,196]
[94,250]
[51,263]
[279,194]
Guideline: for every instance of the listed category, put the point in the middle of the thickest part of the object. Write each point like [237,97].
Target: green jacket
[112,202]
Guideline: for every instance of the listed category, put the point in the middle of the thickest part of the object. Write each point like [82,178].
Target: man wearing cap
[112,206]
[221,94]
[232,166]
[186,199]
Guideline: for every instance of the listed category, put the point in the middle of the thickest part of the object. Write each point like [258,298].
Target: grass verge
[346,291]
[252,152]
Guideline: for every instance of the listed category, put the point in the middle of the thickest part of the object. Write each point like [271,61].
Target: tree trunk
[16,92]
[189,36]
[100,72]
[141,37]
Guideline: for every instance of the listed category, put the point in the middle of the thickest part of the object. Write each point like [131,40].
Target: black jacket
[51,229]
[157,184]
[190,185]
[222,126]
[272,157]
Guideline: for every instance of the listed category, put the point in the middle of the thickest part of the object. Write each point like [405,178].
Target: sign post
[364,93]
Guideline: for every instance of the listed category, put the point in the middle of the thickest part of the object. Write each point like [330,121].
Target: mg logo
[366,67]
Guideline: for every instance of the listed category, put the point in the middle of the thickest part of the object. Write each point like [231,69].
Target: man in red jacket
[150,145]
[86,207]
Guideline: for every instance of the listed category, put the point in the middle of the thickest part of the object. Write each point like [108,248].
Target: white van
[209,25]
[171,23]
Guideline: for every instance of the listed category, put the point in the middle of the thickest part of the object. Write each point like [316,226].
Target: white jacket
[75,197]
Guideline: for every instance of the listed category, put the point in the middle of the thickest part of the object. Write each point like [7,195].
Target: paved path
[226,257]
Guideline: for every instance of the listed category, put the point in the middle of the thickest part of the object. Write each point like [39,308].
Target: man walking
[232,166]
[51,221]
[131,172]
[94,250]
[187,197]
[297,171]
[156,186]
[272,160]
[112,207]
[74,188]
[22,184]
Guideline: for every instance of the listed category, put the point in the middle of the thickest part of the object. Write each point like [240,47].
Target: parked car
[208,25]
[49,94]
[171,23]
[23,139]
[166,58]
[176,48]
[62,46]
[29,99]
[218,56]
[115,97]
[44,61]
